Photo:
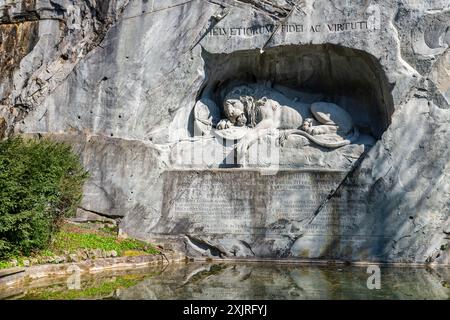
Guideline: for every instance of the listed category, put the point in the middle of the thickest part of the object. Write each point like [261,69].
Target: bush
[40,183]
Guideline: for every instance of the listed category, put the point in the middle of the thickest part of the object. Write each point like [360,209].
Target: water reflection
[269,281]
[251,281]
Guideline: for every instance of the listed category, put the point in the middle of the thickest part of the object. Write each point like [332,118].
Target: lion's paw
[224,124]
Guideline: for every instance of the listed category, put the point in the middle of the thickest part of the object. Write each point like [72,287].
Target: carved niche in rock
[252,111]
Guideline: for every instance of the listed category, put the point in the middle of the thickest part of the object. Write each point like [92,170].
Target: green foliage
[70,238]
[110,229]
[88,291]
[4,264]
[71,241]
[40,183]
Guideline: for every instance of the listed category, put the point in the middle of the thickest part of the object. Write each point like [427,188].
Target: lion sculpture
[266,113]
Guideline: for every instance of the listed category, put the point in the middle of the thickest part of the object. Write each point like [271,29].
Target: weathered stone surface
[120,79]
[89,216]
[11,271]
[245,214]
[16,41]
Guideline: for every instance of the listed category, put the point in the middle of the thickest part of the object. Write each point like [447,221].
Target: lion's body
[242,109]
[275,116]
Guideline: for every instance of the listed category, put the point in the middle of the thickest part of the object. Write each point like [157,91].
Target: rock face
[121,81]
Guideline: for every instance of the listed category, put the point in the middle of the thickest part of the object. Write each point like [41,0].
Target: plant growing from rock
[40,184]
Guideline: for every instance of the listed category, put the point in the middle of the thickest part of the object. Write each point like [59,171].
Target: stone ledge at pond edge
[86,267]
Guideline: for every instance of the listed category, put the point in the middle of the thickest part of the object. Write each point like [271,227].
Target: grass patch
[73,241]
[104,289]
[110,229]
[72,238]
[131,253]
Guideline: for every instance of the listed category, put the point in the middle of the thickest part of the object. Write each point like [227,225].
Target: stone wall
[119,80]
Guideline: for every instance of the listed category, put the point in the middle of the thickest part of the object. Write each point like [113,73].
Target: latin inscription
[237,202]
[288,28]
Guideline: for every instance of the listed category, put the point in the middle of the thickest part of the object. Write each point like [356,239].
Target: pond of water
[248,281]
